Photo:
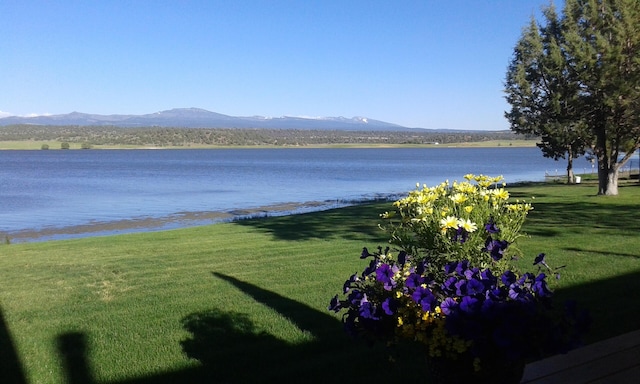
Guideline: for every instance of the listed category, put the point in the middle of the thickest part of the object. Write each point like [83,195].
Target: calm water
[53,190]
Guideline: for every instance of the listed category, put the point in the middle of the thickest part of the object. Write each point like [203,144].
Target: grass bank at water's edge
[206,303]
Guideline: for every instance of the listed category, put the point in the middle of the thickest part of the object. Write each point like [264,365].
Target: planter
[445,371]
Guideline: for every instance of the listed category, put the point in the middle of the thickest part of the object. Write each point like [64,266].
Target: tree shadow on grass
[612,304]
[355,222]
[10,365]
[604,253]
[580,215]
[232,350]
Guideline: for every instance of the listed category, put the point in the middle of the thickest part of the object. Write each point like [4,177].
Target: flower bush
[451,286]
[459,221]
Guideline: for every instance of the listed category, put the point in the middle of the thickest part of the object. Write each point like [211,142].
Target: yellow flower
[448,222]
[459,198]
[476,364]
[519,207]
[468,208]
[467,225]
[501,193]
[387,215]
[465,187]
[486,181]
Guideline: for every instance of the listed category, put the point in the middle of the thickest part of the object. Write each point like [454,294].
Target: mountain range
[201,118]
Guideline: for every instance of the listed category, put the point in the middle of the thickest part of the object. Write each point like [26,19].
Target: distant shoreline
[56,146]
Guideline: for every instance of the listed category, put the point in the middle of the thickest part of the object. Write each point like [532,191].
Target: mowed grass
[247,301]
[597,239]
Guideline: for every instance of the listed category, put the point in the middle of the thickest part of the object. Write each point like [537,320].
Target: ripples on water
[59,194]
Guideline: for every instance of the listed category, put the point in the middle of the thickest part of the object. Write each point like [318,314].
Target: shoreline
[35,145]
[178,220]
[189,219]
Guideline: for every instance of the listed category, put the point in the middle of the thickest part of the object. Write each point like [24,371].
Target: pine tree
[575,82]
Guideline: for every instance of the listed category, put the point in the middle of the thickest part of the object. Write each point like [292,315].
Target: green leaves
[574,81]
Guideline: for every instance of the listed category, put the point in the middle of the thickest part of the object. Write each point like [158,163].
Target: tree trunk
[571,179]
[607,166]
[608,178]
[612,182]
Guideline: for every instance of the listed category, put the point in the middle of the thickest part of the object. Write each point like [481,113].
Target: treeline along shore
[184,137]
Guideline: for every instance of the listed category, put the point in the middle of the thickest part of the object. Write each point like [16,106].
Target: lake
[64,194]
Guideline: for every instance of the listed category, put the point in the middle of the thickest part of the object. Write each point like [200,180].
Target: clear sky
[436,64]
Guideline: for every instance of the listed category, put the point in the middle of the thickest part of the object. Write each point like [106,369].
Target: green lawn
[246,301]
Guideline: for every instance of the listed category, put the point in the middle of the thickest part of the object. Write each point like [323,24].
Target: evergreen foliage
[575,82]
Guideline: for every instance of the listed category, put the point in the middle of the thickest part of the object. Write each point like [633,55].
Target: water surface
[58,194]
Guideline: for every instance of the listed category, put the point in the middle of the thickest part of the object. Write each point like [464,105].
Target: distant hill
[201,118]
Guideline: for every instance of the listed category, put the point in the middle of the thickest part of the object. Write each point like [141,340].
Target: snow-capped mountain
[201,118]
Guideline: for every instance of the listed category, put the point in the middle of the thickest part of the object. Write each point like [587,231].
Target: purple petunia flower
[508,278]
[491,227]
[347,284]
[389,306]
[448,306]
[488,278]
[461,235]
[495,248]
[540,286]
[414,280]
[540,259]
[365,253]
[335,305]
[520,293]
[474,287]
[450,267]
[385,273]
[367,309]
[471,273]
[355,297]
[461,288]
[450,284]
[527,280]
[402,258]
[421,267]
[469,304]
[462,267]
[373,265]
[424,297]
[516,292]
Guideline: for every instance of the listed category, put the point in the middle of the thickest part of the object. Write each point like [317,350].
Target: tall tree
[587,63]
[543,93]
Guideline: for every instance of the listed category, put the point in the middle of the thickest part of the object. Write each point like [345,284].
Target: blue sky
[430,64]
